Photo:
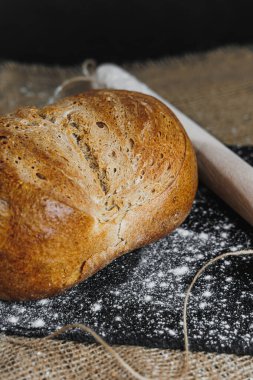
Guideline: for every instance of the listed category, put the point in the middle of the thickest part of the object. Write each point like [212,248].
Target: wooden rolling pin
[220,169]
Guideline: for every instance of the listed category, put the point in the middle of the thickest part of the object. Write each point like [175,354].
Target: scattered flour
[203,236]
[184,233]
[139,297]
[207,294]
[96,307]
[180,271]
[43,302]
[151,284]
[208,277]
[38,323]
[12,319]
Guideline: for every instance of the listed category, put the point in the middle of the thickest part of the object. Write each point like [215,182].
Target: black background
[66,32]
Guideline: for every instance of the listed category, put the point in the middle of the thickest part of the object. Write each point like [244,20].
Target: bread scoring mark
[126,149]
[140,189]
[77,137]
[118,154]
[92,160]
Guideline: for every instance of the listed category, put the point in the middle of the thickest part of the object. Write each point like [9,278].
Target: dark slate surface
[138,299]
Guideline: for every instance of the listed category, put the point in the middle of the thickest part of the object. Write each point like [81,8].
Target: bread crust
[83,181]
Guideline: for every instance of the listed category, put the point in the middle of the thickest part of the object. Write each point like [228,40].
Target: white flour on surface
[138,299]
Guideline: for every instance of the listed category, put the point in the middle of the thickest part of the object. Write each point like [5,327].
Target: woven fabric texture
[216,90]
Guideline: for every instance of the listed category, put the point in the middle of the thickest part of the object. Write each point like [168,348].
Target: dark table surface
[138,299]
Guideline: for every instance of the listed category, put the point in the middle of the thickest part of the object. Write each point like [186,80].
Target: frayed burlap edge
[24,358]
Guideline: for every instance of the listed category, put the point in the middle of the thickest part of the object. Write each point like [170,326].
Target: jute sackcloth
[216,90]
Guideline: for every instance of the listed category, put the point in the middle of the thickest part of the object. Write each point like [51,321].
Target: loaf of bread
[84,181]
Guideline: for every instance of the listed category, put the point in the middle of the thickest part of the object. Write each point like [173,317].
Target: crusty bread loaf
[84,181]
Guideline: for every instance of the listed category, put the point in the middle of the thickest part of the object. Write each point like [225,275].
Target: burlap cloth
[216,90]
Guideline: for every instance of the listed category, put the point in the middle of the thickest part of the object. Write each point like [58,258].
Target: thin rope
[103,343]
[120,360]
[88,76]
[188,293]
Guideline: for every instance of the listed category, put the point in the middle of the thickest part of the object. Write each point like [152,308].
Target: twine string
[122,363]
[103,343]
[88,76]
[188,293]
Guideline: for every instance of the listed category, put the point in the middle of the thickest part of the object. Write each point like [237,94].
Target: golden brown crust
[84,181]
